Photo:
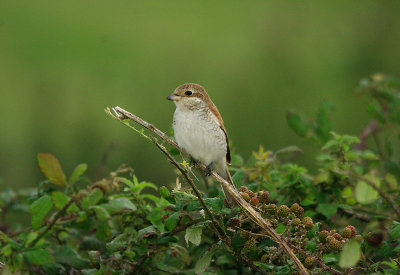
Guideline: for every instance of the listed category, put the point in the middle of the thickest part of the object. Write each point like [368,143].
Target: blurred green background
[63,62]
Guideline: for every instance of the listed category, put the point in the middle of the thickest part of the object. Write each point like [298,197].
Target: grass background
[62,62]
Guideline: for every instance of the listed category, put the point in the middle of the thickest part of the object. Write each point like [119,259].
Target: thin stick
[122,114]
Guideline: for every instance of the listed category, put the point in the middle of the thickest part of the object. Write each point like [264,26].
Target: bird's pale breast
[198,132]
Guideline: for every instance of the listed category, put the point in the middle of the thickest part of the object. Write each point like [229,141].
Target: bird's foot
[208,170]
[193,161]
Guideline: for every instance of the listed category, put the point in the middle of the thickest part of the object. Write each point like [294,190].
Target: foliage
[341,219]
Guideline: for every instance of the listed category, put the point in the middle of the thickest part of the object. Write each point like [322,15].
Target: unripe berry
[296,221]
[323,236]
[358,238]
[283,211]
[250,193]
[254,201]
[245,196]
[263,197]
[309,225]
[335,244]
[250,244]
[297,210]
[337,236]
[270,209]
[329,238]
[309,262]
[349,231]
[243,189]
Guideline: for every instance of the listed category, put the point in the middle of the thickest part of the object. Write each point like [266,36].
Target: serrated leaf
[365,193]
[92,198]
[326,209]
[193,235]
[51,168]
[101,212]
[78,171]
[38,256]
[172,221]
[39,209]
[350,254]
[119,204]
[67,256]
[204,261]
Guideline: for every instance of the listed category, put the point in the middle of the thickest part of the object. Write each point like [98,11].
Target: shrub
[120,225]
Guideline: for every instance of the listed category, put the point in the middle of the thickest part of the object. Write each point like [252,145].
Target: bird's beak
[172,97]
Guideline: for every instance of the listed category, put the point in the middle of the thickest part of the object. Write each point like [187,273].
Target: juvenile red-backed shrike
[200,131]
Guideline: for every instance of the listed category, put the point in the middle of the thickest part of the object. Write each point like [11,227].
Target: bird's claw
[193,161]
[208,170]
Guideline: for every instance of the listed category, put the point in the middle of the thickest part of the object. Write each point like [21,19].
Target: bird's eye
[188,93]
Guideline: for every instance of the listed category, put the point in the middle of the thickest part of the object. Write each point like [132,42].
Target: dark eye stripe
[188,93]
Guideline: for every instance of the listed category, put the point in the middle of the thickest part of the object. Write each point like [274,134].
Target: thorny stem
[122,115]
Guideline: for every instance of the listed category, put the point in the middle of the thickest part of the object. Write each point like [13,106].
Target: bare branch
[122,114]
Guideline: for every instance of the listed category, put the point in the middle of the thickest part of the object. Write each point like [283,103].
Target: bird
[200,131]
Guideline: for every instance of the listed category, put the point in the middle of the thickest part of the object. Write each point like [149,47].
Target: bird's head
[190,96]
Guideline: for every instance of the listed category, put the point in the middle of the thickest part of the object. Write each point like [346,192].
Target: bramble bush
[343,219]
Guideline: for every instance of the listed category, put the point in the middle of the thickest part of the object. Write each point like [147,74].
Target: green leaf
[67,256]
[215,204]
[204,261]
[289,150]
[365,193]
[59,199]
[326,209]
[119,204]
[138,187]
[394,230]
[38,256]
[193,235]
[101,212]
[297,124]
[172,221]
[238,178]
[146,232]
[78,171]
[165,192]
[350,254]
[322,124]
[39,209]
[155,218]
[92,198]
[51,168]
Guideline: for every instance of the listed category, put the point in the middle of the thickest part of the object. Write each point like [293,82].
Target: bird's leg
[208,169]
[193,161]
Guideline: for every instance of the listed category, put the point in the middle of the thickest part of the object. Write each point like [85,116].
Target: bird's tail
[221,168]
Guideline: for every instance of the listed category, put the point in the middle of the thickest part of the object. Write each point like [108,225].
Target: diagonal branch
[122,115]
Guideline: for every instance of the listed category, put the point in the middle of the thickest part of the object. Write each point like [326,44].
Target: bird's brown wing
[215,111]
[228,150]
